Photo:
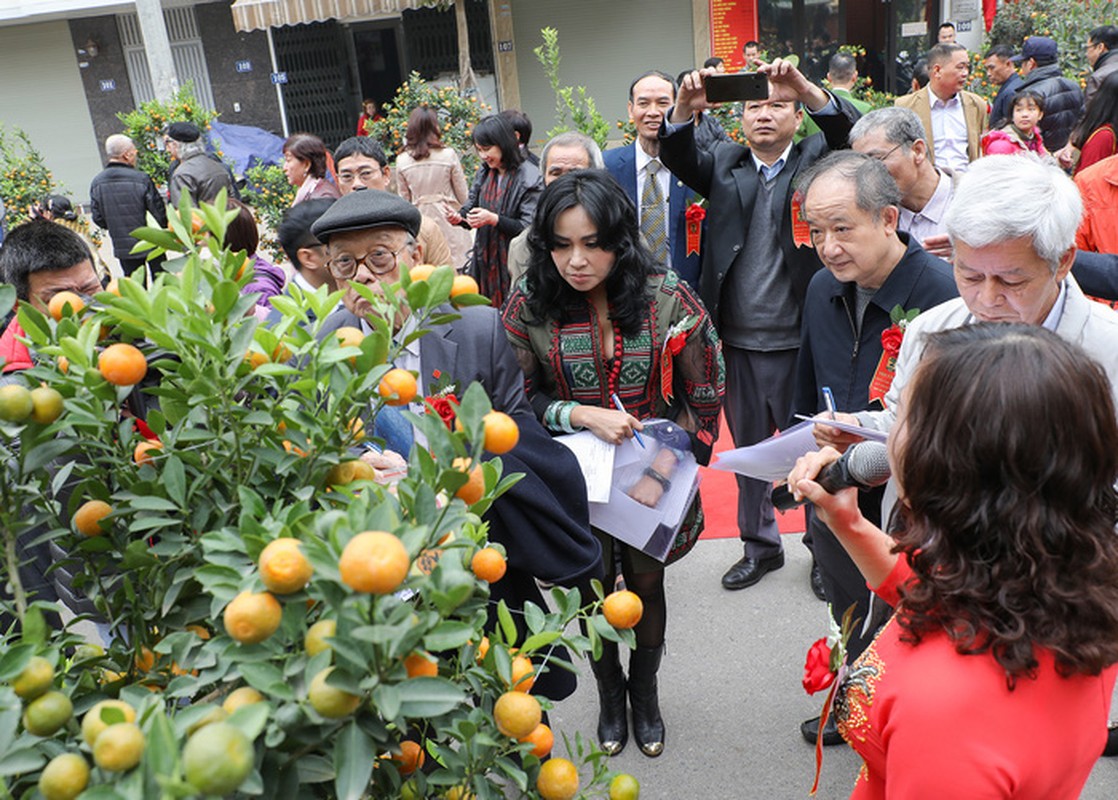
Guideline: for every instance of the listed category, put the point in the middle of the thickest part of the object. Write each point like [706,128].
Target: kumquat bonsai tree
[276,624]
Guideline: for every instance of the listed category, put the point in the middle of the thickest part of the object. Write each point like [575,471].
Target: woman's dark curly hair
[1007,467]
[615,216]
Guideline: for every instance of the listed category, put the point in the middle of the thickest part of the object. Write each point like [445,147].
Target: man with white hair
[121,196]
[1012,223]
[562,154]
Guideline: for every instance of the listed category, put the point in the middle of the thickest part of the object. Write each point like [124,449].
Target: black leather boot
[648,726]
[613,730]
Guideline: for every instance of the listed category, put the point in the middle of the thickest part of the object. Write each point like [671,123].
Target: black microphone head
[868,463]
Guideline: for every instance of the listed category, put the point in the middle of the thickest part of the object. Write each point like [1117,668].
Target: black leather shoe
[750,570]
[831,736]
[1111,748]
[817,580]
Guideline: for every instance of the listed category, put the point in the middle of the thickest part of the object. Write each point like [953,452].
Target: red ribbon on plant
[694,215]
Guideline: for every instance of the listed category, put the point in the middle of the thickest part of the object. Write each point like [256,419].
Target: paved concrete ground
[730,690]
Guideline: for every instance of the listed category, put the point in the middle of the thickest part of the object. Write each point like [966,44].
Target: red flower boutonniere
[891,339]
[695,215]
[443,400]
[673,346]
[824,668]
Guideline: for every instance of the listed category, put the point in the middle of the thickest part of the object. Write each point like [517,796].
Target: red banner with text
[732,24]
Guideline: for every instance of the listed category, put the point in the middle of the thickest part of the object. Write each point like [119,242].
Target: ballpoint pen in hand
[621,408]
[829,400]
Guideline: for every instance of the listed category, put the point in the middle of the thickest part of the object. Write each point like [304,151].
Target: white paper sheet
[869,434]
[595,459]
[772,459]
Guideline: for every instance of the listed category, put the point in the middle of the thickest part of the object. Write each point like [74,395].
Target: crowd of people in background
[771,276]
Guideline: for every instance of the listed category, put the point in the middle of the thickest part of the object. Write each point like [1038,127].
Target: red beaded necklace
[618,354]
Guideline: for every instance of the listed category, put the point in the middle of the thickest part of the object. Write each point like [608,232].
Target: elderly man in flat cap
[543,521]
[194,171]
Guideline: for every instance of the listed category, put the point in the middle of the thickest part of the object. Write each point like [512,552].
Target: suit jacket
[727,176]
[622,164]
[974,111]
[544,520]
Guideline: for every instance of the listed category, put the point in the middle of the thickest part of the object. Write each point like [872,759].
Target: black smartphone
[732,87]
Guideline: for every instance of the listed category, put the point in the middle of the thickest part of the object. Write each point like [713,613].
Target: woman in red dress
[994,677]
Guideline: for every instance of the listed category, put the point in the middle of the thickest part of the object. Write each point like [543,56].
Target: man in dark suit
[1003,74]
[661,203]
[853,206]
[306,254]
[757,265]
[543,521]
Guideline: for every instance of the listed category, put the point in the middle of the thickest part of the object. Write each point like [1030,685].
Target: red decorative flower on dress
[824,668]
[818,674]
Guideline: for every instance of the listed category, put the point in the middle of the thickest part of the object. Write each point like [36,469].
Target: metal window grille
[186,52]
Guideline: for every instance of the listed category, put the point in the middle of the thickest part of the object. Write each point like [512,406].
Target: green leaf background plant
[247,443]
[458,114]
[145,126]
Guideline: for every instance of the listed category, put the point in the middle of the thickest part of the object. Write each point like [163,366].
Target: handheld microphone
[863,466]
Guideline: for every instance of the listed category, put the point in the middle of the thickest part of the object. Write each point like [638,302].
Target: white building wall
[604,45]
[42,93]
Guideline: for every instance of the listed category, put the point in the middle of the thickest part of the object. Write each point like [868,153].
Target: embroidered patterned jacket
[567,362]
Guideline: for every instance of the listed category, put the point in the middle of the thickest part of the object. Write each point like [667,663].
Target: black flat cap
[183,131]
[364,209]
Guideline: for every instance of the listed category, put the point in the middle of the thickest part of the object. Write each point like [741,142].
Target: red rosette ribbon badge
[674,343]
[891,339]
[694,215]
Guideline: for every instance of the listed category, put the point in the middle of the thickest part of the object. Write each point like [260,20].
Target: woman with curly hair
[596,318]
[994,677]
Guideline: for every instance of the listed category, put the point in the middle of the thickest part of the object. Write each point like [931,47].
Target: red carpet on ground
[720,499]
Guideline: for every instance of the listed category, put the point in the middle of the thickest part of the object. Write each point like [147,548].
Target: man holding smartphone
[756,265]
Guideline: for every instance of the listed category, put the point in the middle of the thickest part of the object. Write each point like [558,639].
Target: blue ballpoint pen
[829,400]
[621,408]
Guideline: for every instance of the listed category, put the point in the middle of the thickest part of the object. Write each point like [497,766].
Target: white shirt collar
[298,279]
[643,158]
[1052,321]
[935,98]
[758,163]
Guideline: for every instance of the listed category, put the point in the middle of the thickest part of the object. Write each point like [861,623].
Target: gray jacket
[200,176]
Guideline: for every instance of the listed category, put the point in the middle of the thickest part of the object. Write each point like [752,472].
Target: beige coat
[974,111]
[436,185]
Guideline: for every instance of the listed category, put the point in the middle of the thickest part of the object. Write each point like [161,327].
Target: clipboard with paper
[611,475]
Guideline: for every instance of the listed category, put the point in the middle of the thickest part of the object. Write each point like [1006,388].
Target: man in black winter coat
[1063,99]
[121,197]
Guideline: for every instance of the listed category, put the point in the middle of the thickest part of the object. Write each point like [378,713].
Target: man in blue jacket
[661,203]
[852,204]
